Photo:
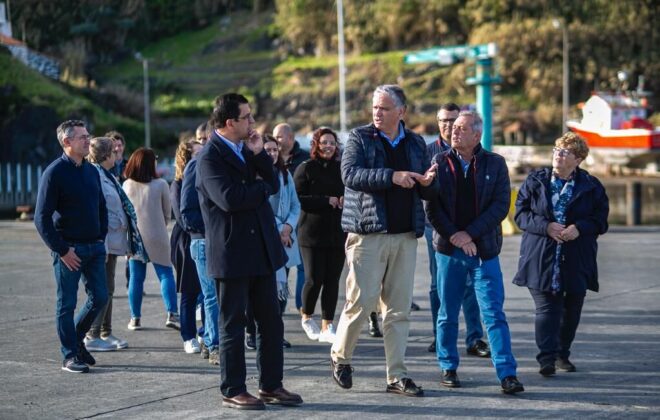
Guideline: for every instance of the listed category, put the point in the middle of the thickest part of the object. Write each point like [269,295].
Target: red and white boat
[617,121]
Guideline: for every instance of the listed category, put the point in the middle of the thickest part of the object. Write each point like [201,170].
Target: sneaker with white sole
[191,346]
[311,328]
[74,365]
[134,324]
[173,322]
[117,342]
[98,344]
[328,336]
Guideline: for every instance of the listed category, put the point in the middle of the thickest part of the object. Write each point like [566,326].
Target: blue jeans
[300,283]
[136,286]
[92,271]
[198,252]
[471,312]
[454,272]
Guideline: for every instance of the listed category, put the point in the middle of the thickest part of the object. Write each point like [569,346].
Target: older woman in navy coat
[562,211]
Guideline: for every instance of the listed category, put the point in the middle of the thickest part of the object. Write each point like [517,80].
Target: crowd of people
[248,207]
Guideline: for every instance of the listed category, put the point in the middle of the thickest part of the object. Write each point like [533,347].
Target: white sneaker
[97,344]
[191,346]
[328,336]
[311,329]
[117,342]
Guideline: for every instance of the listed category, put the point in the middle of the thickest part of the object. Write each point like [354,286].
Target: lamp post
[557,23]
[342,66]
[147,108]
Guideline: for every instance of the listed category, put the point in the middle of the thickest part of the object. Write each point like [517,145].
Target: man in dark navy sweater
[72,219]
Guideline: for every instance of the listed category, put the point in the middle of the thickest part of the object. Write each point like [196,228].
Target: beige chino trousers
[380,266]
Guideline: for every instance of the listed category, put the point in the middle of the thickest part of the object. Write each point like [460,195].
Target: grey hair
[477,122]
[100,148]
[395,92]
[67,128]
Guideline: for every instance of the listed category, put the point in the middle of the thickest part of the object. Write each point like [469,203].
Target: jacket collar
[226,153]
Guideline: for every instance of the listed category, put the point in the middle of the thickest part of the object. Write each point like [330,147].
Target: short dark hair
[314,152]
[449,106]
[141,166]
[227,107]
[115,135]
[65,129]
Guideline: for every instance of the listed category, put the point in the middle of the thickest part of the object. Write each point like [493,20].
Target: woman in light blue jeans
[150,197]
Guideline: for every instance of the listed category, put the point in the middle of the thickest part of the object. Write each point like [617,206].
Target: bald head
[283,133]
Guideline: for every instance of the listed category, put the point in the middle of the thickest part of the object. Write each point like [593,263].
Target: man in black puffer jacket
[386,171]
[466,216]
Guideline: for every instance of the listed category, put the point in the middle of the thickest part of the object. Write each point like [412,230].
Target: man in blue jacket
[474,344]
[72,219]
[386,171]
[193,223]
[235,177]
[466,216]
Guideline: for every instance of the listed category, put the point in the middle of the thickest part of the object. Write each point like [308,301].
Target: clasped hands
[407,179]
[561,233]
[464,241]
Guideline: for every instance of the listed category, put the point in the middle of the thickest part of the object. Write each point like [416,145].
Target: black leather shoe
[431,348]
[342,374]
[374,330]
[84,356]
[565,365]
[250,342]
[479,349]
[450,379]
[286,344]
[406,387]
[414,307]
[511,385]
[547,369]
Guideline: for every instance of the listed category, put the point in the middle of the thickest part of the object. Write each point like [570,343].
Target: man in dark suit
[235,177]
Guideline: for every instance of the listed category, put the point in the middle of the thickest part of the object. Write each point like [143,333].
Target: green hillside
[23,87]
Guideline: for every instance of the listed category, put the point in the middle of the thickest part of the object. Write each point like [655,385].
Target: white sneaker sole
[100,349]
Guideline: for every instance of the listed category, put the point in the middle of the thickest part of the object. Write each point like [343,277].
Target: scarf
[135,245]
[562,191]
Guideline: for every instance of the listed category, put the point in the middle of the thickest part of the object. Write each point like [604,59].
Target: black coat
[588,210]
[493,195]
[319,224]
[185,269]
[241,234]
[367,179]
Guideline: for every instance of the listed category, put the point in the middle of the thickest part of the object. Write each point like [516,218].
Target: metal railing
[19,183]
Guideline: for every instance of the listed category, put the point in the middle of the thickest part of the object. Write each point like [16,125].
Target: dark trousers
[187,314]
[557,319]
[322,271]
[251,327]
[102,325]
[233,297]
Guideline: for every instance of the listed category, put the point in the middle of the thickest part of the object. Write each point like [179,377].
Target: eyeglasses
[83,137]
[562,152]
[446,121]
[247,116]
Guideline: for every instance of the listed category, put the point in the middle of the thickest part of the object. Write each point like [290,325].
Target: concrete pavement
[617,352]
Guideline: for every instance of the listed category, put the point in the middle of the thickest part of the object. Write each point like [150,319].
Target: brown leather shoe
[244,401]
[280,396]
